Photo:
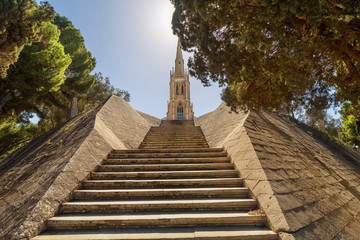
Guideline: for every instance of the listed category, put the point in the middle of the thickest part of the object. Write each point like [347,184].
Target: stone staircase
[174,134]
[163,193]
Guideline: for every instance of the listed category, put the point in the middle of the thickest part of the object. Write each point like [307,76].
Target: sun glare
[165,12]
[161,18]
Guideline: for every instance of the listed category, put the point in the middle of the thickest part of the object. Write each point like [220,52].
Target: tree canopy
[100,91]
[270,53]
[351,125]
[20,24]
[78,78]
[45,66]
[39,71]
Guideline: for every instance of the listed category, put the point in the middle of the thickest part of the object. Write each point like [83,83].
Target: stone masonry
[172,187]
[309,189]
[38,179]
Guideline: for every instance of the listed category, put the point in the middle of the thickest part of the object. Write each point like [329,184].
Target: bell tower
[179,107]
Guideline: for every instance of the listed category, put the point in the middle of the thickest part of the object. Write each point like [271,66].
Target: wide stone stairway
[173,187]
[174,134]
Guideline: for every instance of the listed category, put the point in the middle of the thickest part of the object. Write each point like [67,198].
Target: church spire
[179,61]
[179,107]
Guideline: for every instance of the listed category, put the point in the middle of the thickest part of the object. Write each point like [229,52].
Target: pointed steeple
[179,107]
[179,61]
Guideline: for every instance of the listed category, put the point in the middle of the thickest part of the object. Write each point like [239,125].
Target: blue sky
[133,44]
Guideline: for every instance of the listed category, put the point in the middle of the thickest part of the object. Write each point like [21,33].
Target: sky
[134,46]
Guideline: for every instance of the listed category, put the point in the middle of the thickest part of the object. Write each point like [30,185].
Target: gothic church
[179,107]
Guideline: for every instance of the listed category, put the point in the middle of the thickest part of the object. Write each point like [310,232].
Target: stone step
[193,233]
[161,193]
[187,133]
[162,146]
[174,127]
[166,160]
[122,184]
[175,123]
[176,219]
[183,129]
[157,205]
[167,147]
[179,142]
[175,144]
[177,131]
[175,136]
[165,174]
[165,141]
[168,155]
[172,139]
[165,167]
[180,131]
[177,150]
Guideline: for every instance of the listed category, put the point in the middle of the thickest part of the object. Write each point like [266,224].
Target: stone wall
[38,179]
[309,189]
[154,121]
[220,124]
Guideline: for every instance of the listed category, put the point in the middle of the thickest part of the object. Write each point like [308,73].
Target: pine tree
[38,72]
[78,77]
[20,24]
[273,53]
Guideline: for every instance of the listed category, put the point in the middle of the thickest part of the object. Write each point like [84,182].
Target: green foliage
[333,127]
[53,65]
[55,110]
[274,53]
[321,121]
[351,125]
[14,135]
[20,24]
[100,91]
[39,70]
[78,78]
[55,106]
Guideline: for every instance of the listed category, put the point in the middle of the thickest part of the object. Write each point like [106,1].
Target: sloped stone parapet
[308,188]
[38,179]
[154,121]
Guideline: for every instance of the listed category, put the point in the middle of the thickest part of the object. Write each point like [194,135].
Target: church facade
[179,106]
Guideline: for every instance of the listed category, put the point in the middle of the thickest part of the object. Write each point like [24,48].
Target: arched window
[182,89]
[180,112]
[177,90]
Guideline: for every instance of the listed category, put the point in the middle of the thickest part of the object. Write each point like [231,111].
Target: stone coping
[308,188]
[39,178]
